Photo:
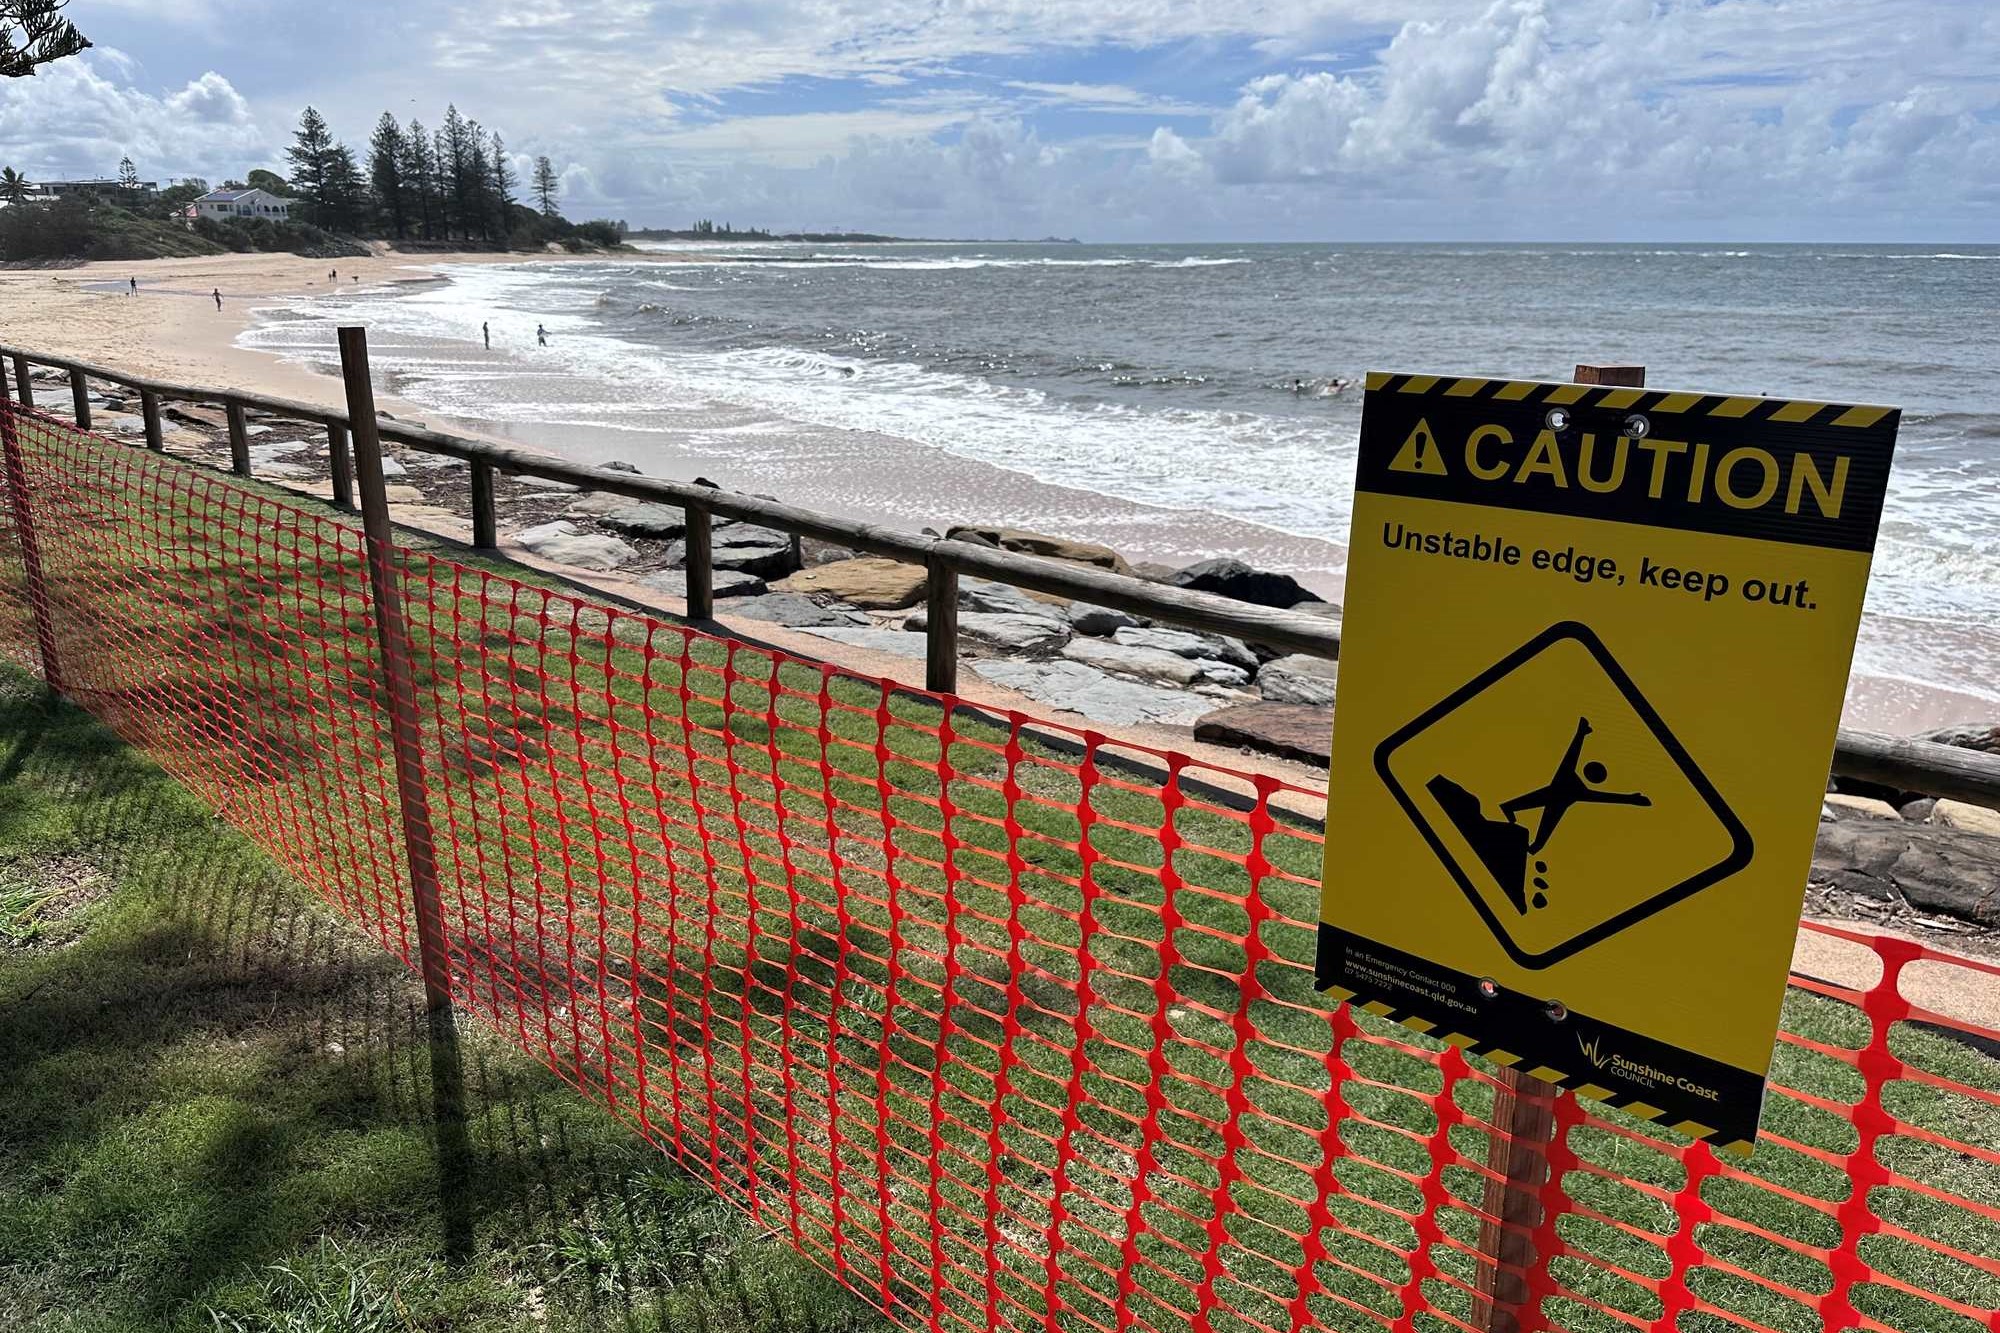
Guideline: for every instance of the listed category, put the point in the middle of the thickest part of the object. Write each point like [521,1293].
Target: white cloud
[1122,118]
[71,119]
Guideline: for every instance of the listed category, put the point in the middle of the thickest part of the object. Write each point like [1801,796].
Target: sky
[1109,120]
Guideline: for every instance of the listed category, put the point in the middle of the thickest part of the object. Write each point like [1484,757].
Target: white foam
[1934,597]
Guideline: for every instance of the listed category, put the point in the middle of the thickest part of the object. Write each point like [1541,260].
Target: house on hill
[240,205]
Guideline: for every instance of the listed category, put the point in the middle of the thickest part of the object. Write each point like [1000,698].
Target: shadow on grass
[211,1080]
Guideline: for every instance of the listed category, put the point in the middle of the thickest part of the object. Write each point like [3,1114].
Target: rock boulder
[1040,543]
[1966,817]
[1233,578]
[869,582]
[639,518]
[1299,679]
[1934,869]
[796,610]
[1188,643]
[1966,736]
[1298,732]
[1096,695]
[765,552]
[1154,664]
[560,541]
[1087,618]
[725,582]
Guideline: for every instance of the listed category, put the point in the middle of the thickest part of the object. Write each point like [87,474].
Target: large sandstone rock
[1100,697]
[724,582]
[1154,664]
[560,541]
[869,582]
[765,552]
[1040,543]
[796,610]
[1299,679]
[1299,732]
[1932,868]
[1844,806]
[1233,578]
[1967,817]
[1188,643]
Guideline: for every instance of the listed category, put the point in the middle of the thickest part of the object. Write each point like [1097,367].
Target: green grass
[217,1108]
[676,873]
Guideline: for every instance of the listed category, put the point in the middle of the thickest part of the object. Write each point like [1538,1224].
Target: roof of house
[233,196]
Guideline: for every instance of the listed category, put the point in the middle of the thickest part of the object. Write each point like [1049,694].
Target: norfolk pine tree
[548,186]
[34,32]
[311,156]
[386,156]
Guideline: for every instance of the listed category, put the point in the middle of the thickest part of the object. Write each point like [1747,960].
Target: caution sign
[1594,649]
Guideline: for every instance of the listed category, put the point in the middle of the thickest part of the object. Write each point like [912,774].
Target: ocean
[1182,401]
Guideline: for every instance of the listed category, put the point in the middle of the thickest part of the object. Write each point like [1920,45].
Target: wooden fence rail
[1899,762]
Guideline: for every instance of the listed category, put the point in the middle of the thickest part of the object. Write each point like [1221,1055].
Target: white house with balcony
[241,206]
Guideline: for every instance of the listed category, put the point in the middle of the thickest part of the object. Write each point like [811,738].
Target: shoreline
[171,329]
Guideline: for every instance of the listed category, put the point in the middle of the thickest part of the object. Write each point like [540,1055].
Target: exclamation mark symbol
[1420,453]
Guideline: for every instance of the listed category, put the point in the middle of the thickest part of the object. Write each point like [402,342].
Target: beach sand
[172,329]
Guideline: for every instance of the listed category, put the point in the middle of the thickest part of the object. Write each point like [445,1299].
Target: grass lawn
[943,1001]
[216,1106]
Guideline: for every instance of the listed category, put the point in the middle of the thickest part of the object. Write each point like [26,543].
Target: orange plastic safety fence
[1008,1025]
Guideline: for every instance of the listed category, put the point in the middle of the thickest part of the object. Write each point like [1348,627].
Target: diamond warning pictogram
[1558,800]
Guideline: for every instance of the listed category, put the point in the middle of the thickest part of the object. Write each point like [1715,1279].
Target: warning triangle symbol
[1420,453]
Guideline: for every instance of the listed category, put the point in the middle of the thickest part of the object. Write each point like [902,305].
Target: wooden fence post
[700,565]
[1523,1122]
[340,464]
[24,388]
[485,522]
[941,628]
[239,440]
[31,547]
[406,740]
[149,408]
[79,397]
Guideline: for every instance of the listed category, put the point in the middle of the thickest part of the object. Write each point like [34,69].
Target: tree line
[457,183]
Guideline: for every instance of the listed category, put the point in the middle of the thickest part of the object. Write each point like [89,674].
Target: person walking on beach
[135,285]
[541,336]
[217,294]
[486,332]
[333,275]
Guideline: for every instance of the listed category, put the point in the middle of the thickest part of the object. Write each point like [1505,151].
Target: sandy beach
[172,328]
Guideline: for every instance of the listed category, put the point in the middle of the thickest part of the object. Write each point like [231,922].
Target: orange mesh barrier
[1006,1024]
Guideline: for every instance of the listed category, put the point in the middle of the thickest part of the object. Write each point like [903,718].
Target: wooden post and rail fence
[1524,1110]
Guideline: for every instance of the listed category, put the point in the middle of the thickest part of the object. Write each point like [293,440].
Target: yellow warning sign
[1594,648]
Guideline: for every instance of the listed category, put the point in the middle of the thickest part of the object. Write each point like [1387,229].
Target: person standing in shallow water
[217,294]
[541,336]
[486,334]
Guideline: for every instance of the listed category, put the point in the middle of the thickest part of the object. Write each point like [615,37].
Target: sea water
[1213,387]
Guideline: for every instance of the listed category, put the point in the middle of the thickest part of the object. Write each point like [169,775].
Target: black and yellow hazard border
[1692,442]
[1662,1084]
[1646,401]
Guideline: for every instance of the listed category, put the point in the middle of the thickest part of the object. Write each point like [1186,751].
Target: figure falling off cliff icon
[1505,845]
